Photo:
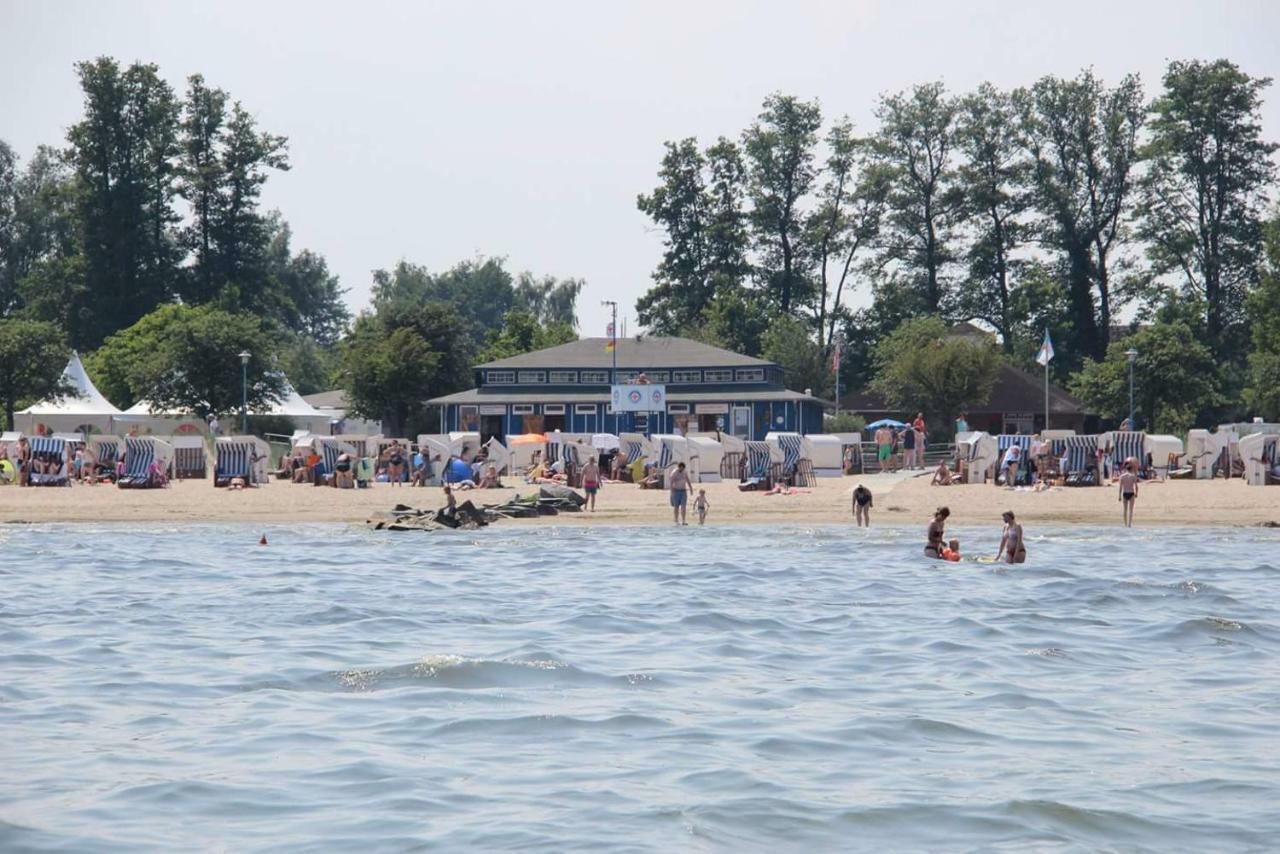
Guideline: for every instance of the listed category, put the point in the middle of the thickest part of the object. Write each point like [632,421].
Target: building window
[553,409]
[678,408]
[627,377]
[522,409]
[659,376]
[468,419]
[533,376]
[750,375]
[686,377]
[564,377]
[640,423]
[500,377]
[594,377]
[718,376]
[584,409]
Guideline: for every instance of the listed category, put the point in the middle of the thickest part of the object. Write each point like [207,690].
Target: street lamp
[1132,355]
[244,392]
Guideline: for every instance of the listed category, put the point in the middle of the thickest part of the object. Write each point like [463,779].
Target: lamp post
[1132,355]
[244,392]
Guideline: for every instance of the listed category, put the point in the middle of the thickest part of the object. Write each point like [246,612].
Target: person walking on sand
[680,484]
[884,447]
[1128,490]
[862,506]
[701,506]
[936,533]
[909,447]
[591,482]
[1012,547]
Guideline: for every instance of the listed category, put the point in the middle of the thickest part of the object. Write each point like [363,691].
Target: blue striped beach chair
[665,454]
[330,452]
[138,456]
[1004,443]
[1081,452]
[108,452]
[635,451]
[48,448]
[1125,445]
[759,461]
[232,460]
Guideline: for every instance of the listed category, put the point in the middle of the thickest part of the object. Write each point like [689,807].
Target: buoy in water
[263,541]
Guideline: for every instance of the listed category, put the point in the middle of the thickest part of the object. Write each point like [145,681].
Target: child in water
[701,506]
[952,551]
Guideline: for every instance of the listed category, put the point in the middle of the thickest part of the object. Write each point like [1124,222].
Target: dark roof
[1015,390]
[715,394]
[332,399]
[632,353]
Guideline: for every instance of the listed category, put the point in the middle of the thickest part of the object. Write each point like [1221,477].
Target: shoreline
[900,501]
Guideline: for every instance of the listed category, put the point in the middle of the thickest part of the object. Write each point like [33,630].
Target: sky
[438,132]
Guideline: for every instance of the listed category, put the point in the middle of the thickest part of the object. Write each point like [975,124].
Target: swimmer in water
[937,529]
[1012,547]
[1128,490]
[952,551]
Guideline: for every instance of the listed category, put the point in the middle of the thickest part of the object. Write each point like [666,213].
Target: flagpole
[1046,395]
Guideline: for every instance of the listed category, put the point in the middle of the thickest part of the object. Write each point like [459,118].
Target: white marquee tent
[85,410]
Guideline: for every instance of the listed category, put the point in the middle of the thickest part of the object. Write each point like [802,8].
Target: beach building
[333,403]
[567,388]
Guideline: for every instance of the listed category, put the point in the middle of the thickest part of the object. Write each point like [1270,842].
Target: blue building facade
[567,388]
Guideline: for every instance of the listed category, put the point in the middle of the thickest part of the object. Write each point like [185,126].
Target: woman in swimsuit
[936,533]
[395,464]
[1012,547]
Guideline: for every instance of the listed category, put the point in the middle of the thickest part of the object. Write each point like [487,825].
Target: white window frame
[593,377]
[686,377]
[707,375]
[627,377]
[584,409]
[553,409]
[562,377]
[641,422]
[528,377]
[658,376]
[677,409]
[522,409]
[749,375]
[500,377]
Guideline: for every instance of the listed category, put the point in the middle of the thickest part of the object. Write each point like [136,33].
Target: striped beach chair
[795,465]
[1005,442]
[138,456]
[1125,445]
[1081,453]
[46,448]
[635,451]
[189,461]
[759,461]
[233,459]
[330,452]
[108,452]
[665,454]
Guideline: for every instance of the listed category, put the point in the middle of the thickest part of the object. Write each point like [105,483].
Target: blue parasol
[885,422]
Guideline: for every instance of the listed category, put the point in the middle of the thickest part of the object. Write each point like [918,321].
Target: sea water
[636,689]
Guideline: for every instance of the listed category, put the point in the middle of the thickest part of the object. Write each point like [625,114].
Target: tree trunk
[1081,288]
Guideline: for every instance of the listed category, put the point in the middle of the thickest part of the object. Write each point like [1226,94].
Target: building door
[742,422]
[491,427]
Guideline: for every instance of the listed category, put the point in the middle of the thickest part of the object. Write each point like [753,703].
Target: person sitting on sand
[451,503]
[936,532]
[942,475]
[490,478]
[1012,547]
[952,551]
[538,472]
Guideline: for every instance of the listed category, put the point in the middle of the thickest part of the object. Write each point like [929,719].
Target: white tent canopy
[85,406]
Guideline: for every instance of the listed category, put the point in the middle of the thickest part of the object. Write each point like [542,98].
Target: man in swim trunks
[862,506]
[1128,490]
[680,485]
[936,532]
[591,482]
[884,447]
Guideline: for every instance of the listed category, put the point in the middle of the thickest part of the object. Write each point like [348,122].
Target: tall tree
[1262,394]
[677,206]
[1082,139]
[993,178]
[8,228]
[548,300]
[300,293]
[1205,190]
[916,143]
[779,150]
[202,182]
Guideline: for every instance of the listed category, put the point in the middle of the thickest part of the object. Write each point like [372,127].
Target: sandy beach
[899,501]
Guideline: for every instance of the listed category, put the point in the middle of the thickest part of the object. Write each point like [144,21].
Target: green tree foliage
[1175,379]
[779,149]
[920,367]
[844,422]
[202,183]
[123,154]
[735,320]
[398,357]
[548,299]
[187,359]
[32,356]
[300,293]
[786,341]
[310,366]
[1083,142]
[1205,190]
[1262,394]
[522,333]
[916,142]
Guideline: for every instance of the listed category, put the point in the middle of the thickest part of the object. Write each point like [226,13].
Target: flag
[835,356]
[1045,356]
[611,341]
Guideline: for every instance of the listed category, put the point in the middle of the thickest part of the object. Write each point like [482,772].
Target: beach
[900,500]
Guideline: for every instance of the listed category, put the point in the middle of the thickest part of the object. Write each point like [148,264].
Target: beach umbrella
[885,422]
[605,442]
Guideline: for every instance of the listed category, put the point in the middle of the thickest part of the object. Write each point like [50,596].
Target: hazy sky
[437,132]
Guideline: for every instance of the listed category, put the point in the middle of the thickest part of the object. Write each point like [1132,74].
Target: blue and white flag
[1045,356]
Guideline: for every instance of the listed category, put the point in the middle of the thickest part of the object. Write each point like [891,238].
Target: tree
[522,333]
[32,356]
[123,154]
[202,182]
[187,359]
[8,228]
[993,180]
[1082,140]
[548,299]
[1205,190]
[309,365]
[300,293]
[1263,392]
[920,367]
[1175,378]
[916,144]
[779,149]
[786,341]
[735,320]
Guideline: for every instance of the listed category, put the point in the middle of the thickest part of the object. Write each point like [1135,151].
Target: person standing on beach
[701,505]
[937,533]
[1012,547]
[591,482]
[1010,464]
[884,447]
[962,423]
[922,436]
[909,447]
[1128,490]
[862,506]
[680,484]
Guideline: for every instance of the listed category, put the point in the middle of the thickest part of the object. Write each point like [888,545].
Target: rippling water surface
[635,689]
